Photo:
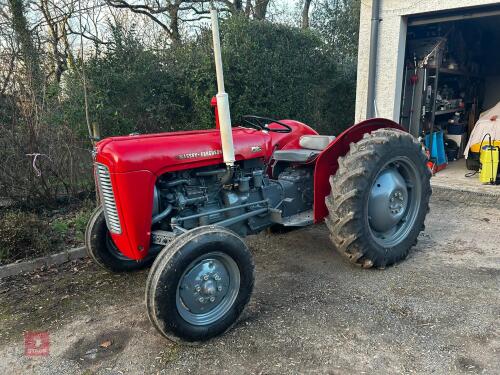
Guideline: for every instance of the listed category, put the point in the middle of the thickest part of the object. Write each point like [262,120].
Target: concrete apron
[451,184]
[465,194]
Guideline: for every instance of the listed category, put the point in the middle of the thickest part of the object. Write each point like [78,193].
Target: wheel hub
[204,286]
[388,200]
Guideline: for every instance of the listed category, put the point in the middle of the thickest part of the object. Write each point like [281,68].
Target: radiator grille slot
[108,199]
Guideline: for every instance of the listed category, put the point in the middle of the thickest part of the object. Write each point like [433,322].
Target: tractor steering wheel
[261,123]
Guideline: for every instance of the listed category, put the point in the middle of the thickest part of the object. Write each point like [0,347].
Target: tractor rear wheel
[101,248]
[199,284]
[379,198]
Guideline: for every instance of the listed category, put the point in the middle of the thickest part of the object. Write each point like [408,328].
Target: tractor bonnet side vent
[108,199]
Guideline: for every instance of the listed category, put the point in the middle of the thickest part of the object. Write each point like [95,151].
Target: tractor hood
[164,152]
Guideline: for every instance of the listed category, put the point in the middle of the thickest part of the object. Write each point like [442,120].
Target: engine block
[243,199]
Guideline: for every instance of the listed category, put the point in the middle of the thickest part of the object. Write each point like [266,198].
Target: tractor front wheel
[101,248]
[379,198]
[199,284]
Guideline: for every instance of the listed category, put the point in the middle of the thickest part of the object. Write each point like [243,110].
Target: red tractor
[185,200]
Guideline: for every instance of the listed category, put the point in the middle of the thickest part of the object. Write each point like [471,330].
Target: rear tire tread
[350,183]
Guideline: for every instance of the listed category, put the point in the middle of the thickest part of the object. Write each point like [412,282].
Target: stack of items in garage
[451,90]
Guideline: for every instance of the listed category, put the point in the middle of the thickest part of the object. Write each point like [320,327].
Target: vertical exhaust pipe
[226,132]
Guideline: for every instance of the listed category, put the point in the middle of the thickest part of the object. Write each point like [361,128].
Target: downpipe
[372,60]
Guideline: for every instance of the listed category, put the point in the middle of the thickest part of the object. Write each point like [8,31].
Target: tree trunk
[248,8]
[260,9]
[238,6]
[305,14]
[175,35]
[57,31]
[29,53]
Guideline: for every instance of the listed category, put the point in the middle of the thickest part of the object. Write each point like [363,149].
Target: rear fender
[327,161]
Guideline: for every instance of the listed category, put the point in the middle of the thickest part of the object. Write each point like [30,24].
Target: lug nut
[219,288]
[212,299]
[197,288]
[201,300]
[205,277]
[217,277]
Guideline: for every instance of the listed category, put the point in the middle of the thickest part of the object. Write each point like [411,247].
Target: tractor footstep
[299,220]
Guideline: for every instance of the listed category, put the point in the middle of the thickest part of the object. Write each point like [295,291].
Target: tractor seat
[311,146]
[316,142]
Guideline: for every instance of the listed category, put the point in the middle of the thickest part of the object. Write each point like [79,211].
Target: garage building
[433,66]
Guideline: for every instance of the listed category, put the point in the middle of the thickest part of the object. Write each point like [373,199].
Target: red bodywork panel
[135,162]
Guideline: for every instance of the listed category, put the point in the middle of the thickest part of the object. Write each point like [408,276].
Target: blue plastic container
[437,152]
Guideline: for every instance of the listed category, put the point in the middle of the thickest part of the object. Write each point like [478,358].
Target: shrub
[271,70]
[28,234]
[43,167]
[24,234]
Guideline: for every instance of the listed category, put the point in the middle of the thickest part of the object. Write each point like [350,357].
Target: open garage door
[451,77]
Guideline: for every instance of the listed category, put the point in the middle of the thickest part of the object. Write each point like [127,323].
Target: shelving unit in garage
[442,90]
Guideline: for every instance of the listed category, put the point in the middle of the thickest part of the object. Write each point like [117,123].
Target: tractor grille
[108,199]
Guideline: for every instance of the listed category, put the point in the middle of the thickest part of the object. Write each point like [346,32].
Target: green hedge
[270,70]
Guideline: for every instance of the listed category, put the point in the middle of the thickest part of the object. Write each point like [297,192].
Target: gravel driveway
[312,312]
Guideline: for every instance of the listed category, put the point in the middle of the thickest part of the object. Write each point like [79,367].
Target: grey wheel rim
[394,202]
[208,288]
